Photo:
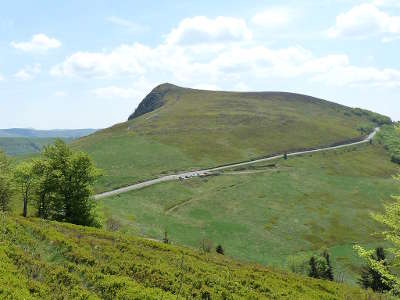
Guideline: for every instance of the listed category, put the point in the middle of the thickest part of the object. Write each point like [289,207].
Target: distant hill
[177,128]
[24,145]
[24,141]
[56,133]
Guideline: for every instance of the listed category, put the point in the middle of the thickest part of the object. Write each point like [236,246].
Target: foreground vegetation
[49,260]
[277,213]
[192,129]
[385,270]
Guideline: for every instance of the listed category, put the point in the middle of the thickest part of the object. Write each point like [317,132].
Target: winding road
[206,172]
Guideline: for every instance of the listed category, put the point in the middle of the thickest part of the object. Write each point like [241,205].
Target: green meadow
[271,213]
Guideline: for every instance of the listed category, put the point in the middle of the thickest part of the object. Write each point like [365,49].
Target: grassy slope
[204,128]
[49,260]
[300,206]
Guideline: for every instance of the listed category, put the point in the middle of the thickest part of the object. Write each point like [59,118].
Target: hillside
[271,213]
[49,260]
[25,146]
[25,141]
[177,129]
[56,133]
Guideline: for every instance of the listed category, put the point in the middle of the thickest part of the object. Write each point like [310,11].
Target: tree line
[59,184]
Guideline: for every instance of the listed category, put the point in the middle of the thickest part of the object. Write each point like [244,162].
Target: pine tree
[371,278]
[313,268]
[328,274]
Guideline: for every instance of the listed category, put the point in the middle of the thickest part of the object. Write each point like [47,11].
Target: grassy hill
[273,213]
[49,260]
[177,129]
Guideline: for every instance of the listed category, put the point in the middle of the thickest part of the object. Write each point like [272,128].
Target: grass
[197,129]
[50,260]
[270,214]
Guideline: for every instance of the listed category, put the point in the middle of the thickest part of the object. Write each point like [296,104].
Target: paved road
[205,172]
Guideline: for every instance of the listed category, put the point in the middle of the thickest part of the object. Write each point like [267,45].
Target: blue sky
[89,63]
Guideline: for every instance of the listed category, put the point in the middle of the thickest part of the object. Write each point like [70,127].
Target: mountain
[56,133]
[177,128]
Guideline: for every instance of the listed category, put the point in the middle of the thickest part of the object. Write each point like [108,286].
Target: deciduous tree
[24,177]
[6,187]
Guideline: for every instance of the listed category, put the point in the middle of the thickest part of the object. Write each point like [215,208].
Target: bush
[372,116]
[219,250]
[320,267]
[389,137]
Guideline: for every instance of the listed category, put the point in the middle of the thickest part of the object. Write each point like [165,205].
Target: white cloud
[125,23]
[60,94]
[364,20]
[1,77]
[200,29]
[39,43]
[389,3]
[122,60]
[28,72]
[358,76]
[272,18]
[211,65]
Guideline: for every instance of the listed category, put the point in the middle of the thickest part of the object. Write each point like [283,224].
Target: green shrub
[389,136]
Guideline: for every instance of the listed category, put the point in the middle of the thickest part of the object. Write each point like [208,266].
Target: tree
[372,279]
[313,268]
[391,219]
[45,187]
[24,177]
[377,266]
[80,178]
[285,156]
[6,188]
[220,250]
[320,267]
[328,274]
[65,185]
